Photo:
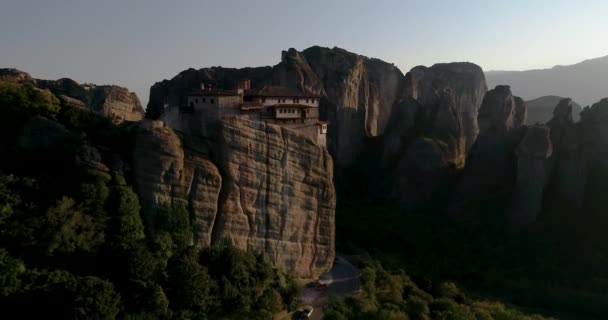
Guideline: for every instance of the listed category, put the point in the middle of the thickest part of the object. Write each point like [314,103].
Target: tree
[71,230]
[125,226]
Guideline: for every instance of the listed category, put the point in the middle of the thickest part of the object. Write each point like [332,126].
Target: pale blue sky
[135,43]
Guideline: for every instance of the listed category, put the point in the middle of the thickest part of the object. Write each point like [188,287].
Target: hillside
[584,82]
[540,110]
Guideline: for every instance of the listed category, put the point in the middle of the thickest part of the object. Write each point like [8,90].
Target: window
[204,100]
[306,100]
[263,99]
[196,101]
[211,101]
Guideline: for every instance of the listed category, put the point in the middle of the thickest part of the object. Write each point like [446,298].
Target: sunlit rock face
[262,187]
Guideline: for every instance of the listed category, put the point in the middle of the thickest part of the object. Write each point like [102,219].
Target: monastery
[283,106]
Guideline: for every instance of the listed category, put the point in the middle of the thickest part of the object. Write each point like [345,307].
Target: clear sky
[135,43]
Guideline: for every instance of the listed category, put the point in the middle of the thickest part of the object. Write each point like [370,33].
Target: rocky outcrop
[532,154]
[491,165]
[274,195]
[421,145]
[467,83]
[358,92]
[540,110]
[277,195]
[165,173]
[581,159]
[113,102]
[172,93]
[41,133]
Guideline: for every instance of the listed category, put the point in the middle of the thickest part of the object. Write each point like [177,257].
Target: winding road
[341,280]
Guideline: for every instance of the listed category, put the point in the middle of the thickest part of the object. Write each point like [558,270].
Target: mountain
[540,110]
[584,82]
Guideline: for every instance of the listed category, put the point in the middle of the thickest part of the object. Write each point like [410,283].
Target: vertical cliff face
[423,142]
[466,81]
[358,94]
[277,195]
[491,164]
[533,169]
[165,173]
[581,159]
[265,189]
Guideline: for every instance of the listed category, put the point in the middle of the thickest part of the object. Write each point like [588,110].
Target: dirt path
[342,280]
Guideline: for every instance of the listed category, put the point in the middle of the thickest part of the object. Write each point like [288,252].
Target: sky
[135,43]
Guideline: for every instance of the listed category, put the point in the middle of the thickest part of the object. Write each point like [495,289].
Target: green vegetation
[394,296]
[556,267]
[72,241]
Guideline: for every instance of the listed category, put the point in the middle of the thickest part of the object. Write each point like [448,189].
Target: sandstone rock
[540,110]
[275,193]
[277,196]
[532,173]
[500,111]
[90,157]
[41,133]
[173,92]
[467,83]
[113,102]
[582,151]
[166,173]
[358,92]
[491,164]
[422,143]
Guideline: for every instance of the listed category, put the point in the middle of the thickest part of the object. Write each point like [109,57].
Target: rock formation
[263,188]
[359,92]
[540,110]
[165,173]
[581,151]
[532,175]
[113,102]
[491,167]
[467,83]
[277,195]
[422,143]
[171,93]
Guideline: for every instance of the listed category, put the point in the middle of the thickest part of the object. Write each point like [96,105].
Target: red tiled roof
[276,91]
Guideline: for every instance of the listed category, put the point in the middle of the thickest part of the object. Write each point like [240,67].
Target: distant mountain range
[584,82]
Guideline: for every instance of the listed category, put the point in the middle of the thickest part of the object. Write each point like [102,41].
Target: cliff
[358,92]
[491,164]
[265,189]
[466,81]
[114,102]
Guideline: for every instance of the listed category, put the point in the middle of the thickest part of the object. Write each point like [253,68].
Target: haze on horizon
[136,43]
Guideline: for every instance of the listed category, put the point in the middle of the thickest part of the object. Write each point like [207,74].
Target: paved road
[342,280]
